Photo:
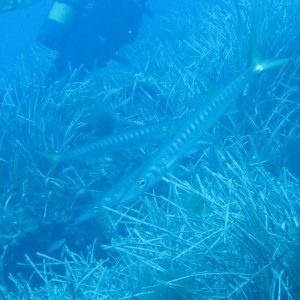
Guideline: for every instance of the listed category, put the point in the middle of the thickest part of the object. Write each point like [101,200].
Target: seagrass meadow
[223,224]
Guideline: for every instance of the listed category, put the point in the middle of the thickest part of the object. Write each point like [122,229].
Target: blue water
[18,30]
[173,72]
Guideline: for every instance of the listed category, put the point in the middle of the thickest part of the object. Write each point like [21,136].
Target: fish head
[94,210]
[142,183]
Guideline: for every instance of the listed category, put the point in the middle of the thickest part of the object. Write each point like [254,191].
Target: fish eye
[142,182]
[95,209]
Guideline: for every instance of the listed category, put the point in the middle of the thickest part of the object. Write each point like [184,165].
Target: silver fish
[117,142]
[180,142]
[184,139]
[110,198]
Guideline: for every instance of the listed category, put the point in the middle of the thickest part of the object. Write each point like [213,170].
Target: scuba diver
[88,33]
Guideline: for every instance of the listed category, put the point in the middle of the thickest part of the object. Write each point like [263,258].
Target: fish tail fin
[258,63]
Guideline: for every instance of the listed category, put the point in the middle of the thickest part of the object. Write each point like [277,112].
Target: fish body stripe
[121,141]
[187,135]
[190,130]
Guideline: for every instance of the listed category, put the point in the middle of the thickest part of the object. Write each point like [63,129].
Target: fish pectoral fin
[199,145]
[58,244]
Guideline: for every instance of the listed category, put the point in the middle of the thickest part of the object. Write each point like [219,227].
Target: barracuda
[118,142]
[7,5]
[110,198]
[179,143]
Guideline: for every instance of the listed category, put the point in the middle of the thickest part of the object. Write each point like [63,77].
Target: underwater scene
[150,149]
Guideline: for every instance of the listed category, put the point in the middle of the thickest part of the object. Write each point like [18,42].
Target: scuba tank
[61,17]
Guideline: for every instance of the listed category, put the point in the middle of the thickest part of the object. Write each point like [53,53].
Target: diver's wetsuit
[97,35]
